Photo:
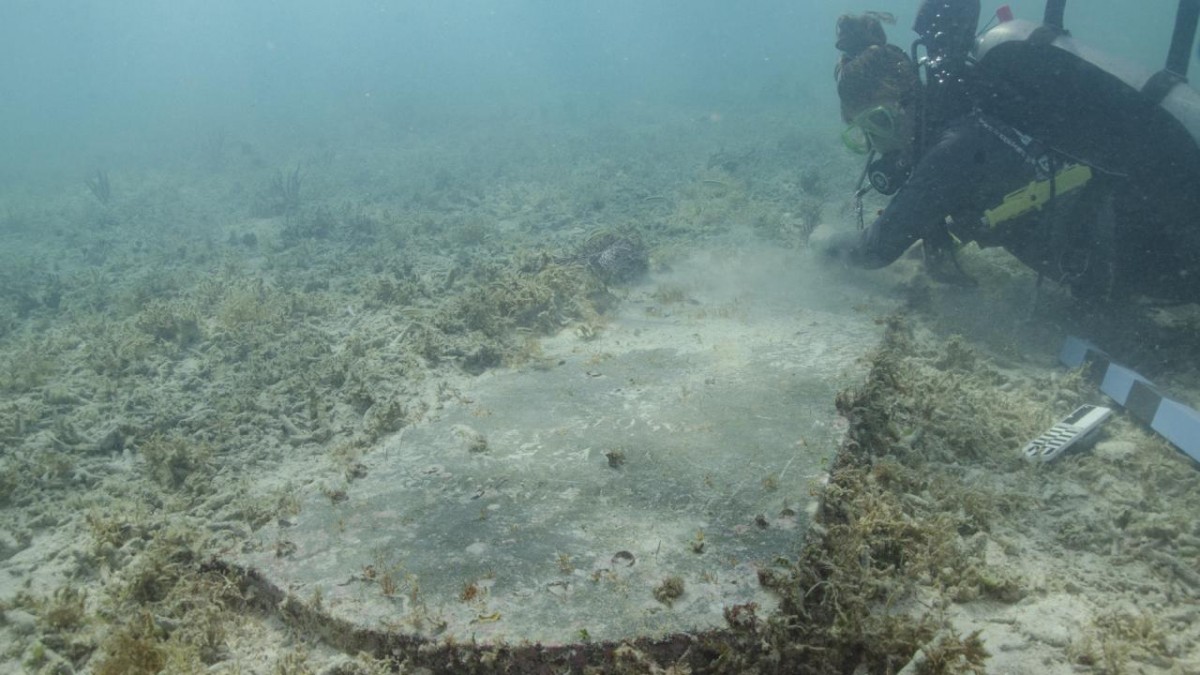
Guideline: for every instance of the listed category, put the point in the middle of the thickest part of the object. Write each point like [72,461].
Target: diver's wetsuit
[976,162]
[1134,225]
[1106,238]
[965,169]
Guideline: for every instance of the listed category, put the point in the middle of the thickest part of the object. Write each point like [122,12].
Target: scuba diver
[1024,139]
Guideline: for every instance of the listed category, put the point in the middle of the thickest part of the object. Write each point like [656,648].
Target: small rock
[20,622]
[9,545]
[111,442]
[1115,451]
[473,441]
[342,665]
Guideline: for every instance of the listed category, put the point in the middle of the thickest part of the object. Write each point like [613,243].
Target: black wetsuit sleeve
[942,183]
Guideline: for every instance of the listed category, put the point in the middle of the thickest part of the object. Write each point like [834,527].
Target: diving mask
[874,129]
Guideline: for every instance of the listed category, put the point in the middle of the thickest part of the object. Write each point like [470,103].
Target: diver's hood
[1087,103]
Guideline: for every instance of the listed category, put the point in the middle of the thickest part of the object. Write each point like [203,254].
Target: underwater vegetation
[100,187]
[280,196]
[164,350]
[187,358]
[900,537]
[614,257]
[848,599]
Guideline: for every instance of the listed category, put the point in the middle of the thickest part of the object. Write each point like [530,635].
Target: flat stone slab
[627,486]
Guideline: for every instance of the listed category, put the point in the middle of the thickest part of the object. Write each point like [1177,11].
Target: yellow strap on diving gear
[1035,195]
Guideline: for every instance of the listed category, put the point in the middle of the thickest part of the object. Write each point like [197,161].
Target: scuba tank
[1138,128]
[1112,115]
[1137,131]
[946,30]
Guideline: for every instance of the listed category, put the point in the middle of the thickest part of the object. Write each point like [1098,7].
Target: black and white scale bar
[1173,420]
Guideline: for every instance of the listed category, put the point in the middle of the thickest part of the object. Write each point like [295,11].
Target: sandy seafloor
[192,359]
